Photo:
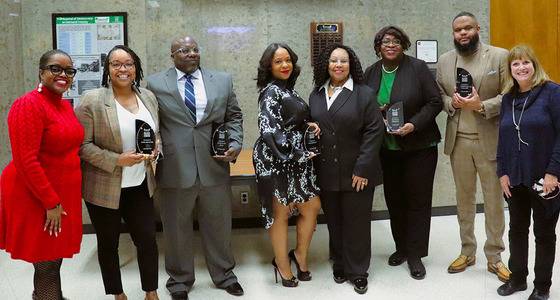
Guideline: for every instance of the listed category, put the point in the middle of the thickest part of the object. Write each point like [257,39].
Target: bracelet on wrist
[55,207]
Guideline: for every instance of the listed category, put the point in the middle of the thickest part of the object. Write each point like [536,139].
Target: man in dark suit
[191,100]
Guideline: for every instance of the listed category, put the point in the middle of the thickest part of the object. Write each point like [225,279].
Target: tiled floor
[81,278]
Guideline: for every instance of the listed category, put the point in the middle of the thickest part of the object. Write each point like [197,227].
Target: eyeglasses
[115,64]
[386,42]
[187,51]
[342,61]
[57,70]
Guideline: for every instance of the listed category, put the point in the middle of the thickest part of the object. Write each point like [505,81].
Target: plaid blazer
[101,177]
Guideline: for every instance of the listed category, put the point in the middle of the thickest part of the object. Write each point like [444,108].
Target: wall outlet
[244,196]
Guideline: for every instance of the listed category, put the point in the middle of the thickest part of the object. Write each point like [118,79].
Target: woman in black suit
[348,167]
[409,153]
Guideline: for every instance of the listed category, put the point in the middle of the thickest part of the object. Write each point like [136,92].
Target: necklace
[336,88]
[518,123]
[389,72]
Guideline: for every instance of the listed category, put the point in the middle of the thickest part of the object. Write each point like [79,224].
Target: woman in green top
[408,153]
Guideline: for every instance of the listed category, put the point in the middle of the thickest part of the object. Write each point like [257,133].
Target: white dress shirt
[199,91]
[349,84]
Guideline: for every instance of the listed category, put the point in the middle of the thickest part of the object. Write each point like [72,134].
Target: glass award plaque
[219,140]
[311,142]
[145,138]
[395,117]
[464,82]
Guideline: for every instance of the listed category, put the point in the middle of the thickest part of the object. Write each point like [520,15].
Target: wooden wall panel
[535,23]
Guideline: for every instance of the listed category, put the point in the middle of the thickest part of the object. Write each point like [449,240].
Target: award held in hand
[311,142]
[464,82]
[145,138]
[220,140]
[395,117]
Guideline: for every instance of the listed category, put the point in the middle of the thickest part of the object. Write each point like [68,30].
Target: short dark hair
[264,71]
[395,31]
[47,56]
[464,14]
[137,66]
[321,68]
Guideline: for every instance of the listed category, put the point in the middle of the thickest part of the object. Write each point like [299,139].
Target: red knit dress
[45,137]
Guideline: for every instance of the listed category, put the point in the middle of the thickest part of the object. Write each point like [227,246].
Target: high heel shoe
[301,275]
[292,282]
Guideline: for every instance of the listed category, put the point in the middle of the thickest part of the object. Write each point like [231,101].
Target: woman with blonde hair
[528,167]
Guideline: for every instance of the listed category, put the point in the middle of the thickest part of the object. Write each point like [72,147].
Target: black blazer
[351,135]
[416,87]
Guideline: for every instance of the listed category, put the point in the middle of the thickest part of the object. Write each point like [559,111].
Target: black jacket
[416,87]
[351,135]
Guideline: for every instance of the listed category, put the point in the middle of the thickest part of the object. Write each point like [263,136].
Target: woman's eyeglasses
[386,42]
[57,70]
[115,64]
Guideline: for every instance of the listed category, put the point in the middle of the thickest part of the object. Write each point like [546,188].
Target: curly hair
[321,68]
[395,31]
[264,71]
[137,66]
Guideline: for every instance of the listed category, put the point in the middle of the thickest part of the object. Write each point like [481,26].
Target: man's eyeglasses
[115,64]
[386,42]
[57,70]
[187,51]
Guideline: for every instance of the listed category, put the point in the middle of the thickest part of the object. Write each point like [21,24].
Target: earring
[40,88]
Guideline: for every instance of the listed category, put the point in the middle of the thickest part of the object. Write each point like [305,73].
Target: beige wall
[24,38]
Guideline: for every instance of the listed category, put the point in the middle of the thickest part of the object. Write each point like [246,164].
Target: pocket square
[491,72]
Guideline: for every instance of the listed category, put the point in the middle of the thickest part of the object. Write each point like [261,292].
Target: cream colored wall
[252,26]
[11,74]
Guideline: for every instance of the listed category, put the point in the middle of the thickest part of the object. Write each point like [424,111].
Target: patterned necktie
[189,96]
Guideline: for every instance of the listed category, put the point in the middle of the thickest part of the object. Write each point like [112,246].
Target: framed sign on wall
[322,35]
[88,37]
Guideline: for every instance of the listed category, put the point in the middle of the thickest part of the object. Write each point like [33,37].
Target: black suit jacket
[351,135]
[416,87]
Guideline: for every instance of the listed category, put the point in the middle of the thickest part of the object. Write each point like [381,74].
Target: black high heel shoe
[301,275]
[292,282]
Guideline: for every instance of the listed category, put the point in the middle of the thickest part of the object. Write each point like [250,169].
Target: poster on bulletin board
[88,37]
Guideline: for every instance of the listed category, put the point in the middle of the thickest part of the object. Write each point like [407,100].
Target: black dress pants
[348,215]
[137,210]
[408,180]
[521,202]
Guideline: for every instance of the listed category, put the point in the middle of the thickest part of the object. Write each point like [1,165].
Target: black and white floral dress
[282,165]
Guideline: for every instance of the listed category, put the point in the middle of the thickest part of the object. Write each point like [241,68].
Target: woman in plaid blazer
[117,182]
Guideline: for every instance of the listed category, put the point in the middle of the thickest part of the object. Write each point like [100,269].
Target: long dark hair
[264,71]
[137,66]
[321,69]
[47,56]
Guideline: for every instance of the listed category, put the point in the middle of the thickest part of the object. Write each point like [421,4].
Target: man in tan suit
[471,139]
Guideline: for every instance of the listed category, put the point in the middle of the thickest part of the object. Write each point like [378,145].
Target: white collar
[196,74]
[349,84]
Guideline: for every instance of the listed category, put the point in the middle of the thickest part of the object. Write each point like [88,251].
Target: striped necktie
[189,96]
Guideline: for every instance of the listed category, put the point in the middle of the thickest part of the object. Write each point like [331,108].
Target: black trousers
[137,210]
[348,215]
[521,202]
[408,180]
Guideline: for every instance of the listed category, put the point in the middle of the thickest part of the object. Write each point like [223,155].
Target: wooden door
[535,23]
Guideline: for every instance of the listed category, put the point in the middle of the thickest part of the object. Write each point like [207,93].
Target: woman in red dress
[41,210]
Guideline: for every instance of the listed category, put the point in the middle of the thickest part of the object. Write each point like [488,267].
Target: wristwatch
[481,110]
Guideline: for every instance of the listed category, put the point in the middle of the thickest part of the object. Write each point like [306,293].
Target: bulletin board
[88,37]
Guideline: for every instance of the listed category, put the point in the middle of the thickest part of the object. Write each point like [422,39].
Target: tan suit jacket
[101,177]
[488,81]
